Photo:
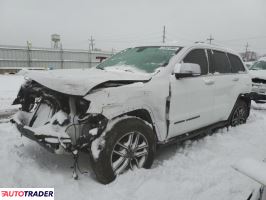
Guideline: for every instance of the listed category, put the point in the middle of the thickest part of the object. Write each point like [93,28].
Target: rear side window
[197,56]
[221,62]
[236,64]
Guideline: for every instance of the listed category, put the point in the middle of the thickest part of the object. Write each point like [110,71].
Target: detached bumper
[258,92]
[52,147]
[51,143]
[258,97]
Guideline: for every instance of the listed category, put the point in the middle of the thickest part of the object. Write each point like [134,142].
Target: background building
[14,58]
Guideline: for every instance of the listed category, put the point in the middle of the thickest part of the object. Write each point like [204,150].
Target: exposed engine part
[32,93]
[46,106]
[57,121]
[97,122]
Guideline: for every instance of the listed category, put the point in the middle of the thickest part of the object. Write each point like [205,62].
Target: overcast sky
[120,23]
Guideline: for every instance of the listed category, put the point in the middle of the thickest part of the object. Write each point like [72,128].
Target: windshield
[260,65]
[142,59]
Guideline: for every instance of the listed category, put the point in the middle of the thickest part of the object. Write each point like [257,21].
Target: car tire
[240,113]
[129,144]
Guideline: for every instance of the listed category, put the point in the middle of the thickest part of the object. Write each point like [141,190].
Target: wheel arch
[144,115]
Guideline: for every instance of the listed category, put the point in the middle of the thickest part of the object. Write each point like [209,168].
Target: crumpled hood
[258,74]
[80,81]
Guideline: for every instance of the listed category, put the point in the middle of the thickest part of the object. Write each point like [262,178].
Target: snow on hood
[80,81]
[258,74]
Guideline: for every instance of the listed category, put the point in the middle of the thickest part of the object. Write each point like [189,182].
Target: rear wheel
[240,113]
[130,144]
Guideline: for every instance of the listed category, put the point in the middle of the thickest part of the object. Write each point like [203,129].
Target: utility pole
[246,52]
[92,43]
[210,39]
[61,56]
[163,34]
[28,53]
[91,47]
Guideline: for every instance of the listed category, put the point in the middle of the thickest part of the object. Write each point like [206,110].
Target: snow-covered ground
[197,170]
[9,86]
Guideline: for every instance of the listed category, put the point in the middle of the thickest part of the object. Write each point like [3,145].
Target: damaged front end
[56,121]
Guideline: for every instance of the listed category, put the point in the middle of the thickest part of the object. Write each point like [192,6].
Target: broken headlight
[82,106]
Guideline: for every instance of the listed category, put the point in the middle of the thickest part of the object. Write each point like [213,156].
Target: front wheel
[130,144]
[240,113]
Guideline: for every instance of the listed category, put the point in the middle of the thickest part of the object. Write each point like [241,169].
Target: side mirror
[183,70]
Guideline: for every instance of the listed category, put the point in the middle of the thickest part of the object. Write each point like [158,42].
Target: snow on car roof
[191,45]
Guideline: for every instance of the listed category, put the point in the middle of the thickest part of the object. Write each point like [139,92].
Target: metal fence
[17,57]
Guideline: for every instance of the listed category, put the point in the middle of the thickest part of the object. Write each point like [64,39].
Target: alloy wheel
[129,152]
[239,116]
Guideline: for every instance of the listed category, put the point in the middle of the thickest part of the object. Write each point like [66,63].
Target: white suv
[133,102]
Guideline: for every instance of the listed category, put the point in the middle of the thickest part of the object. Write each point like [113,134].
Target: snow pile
[96,147]
[60,117]
[9,87]
[55,127]
[93,131]
[253,168]
[50,130]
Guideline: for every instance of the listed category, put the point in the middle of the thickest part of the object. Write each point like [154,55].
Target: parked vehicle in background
[249,64]
[258,73]
[133,102]
[255,170]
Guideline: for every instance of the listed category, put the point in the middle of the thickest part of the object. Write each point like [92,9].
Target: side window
[197,56]
[236,64]
[221,62]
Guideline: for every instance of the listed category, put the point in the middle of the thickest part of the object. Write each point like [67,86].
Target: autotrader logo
[27,193]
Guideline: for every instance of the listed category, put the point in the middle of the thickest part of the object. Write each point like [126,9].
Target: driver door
[191,104]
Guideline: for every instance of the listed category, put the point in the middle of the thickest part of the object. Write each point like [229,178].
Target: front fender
[113,102]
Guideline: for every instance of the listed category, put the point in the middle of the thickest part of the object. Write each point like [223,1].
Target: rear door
[191,104]
[225,83]
[240,79]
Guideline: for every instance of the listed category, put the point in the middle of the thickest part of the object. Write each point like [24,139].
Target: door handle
[209,81]
[235,79]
